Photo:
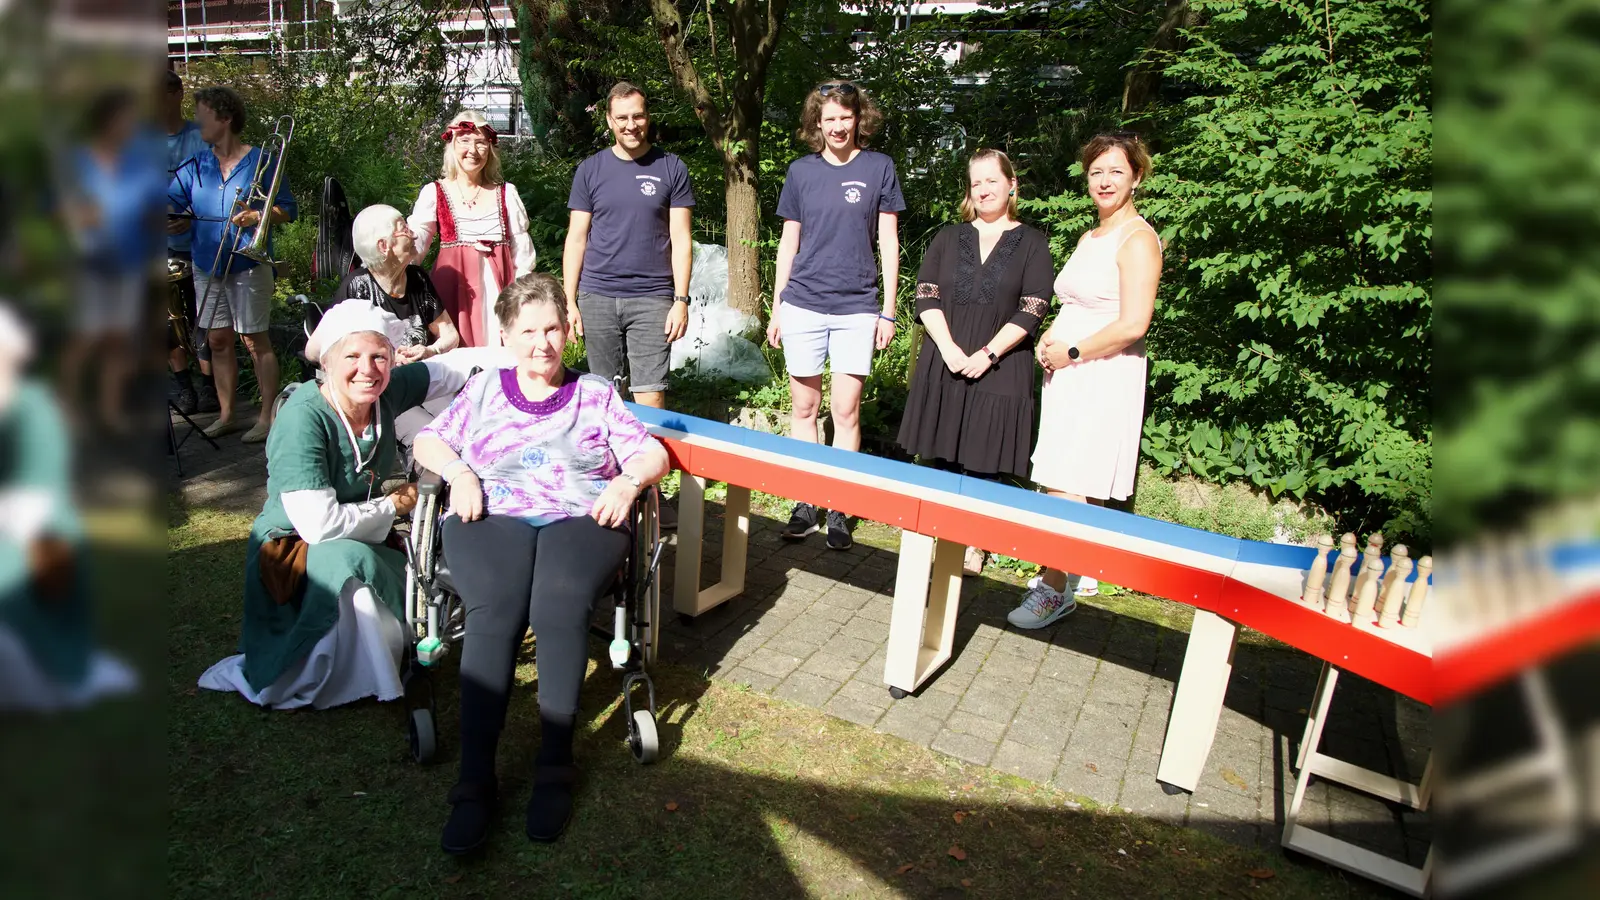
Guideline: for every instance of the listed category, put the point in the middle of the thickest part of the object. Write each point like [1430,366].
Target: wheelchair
[437,620]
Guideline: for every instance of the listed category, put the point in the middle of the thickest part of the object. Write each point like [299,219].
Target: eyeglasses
[842,88]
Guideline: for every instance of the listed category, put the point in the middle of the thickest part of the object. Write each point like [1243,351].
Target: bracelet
[445,472]
[889,319]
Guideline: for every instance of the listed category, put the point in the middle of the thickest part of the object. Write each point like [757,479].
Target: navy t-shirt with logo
[835,270]
[630,242]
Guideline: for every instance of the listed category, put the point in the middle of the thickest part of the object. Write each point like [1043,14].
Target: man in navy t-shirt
[626,263]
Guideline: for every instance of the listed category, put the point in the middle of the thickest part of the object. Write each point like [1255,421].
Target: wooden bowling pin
[1395,556]
[1394,591]
[1418,595]
[1339,589]
[1367,593]
[1319,571]
[1373,552]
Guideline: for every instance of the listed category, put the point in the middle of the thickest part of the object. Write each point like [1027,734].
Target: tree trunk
[1144,79]
[744,233]
[734,126]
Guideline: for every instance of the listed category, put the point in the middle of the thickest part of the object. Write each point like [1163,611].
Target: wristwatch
[639,485]
[993,360]
[1072,353]
[680,298]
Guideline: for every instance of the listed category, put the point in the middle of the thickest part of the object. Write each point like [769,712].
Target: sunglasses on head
[842,88]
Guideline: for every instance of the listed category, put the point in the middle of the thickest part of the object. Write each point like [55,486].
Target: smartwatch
[680,298]
[1072,353]
[993,360]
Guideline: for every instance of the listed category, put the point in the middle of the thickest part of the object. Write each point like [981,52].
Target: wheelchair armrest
[431,484]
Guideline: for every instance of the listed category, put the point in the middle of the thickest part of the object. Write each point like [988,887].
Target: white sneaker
[1040,606]
[1087,587]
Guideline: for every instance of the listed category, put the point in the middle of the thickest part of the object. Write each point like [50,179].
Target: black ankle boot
[472,808]
[550,806]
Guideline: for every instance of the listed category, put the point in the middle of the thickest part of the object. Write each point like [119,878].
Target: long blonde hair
[452,168]
[968,210]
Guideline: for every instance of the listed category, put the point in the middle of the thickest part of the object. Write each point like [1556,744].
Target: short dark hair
[106,107]
[625,89]
[1131,145]
[226,103]
[848,95]
[171,82]
[533,289]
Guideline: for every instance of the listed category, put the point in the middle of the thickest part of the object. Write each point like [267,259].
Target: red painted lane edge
[823,491]
[1352,650]
[1348,648]
[1469,668]
[1162,578]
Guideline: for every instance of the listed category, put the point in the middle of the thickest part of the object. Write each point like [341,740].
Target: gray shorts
[631,330]
[243,302]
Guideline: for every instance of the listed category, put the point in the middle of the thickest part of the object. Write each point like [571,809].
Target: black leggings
[512,575]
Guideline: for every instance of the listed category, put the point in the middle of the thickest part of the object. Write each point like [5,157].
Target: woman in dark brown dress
[982,290]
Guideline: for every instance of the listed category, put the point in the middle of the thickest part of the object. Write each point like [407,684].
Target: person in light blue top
[235,292]
[183,144]
[112,202]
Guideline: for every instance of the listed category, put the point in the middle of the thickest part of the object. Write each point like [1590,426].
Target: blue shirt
[629,252]
[835,270]
[180,147]
[198,187]
[126,193]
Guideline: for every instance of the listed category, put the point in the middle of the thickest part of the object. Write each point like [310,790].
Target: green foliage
[1291,344]
[1516,180]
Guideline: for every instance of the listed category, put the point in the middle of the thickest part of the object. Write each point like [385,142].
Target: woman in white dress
[1091,410]
[482,228]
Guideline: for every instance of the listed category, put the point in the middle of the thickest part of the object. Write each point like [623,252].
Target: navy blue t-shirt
[630,241]
[835,270]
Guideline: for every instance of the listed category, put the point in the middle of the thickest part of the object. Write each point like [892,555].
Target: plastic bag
[714,342]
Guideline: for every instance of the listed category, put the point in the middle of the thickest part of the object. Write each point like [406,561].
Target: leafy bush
[1291,344]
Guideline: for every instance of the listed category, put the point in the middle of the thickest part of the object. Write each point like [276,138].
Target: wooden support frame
[687,597]
[1413,880]
[1197,702]
[922,623]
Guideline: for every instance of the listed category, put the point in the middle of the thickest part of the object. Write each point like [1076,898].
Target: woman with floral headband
[482,227]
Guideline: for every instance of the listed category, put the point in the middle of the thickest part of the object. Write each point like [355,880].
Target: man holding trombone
[222,192]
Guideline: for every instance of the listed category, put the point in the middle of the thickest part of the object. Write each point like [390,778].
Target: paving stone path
[1081,704]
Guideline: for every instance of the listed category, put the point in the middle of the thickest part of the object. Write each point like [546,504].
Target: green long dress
[34,457]
[309,449]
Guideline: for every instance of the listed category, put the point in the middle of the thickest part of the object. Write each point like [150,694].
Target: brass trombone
[276,146]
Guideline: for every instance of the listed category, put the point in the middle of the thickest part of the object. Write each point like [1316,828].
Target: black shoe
[551,804]
[839,531]
[181,392]
[471,812]
[802,523]
[207,395]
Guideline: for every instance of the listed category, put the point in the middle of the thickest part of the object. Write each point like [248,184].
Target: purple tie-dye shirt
[541,461]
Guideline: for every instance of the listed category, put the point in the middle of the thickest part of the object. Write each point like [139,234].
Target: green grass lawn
[754,797]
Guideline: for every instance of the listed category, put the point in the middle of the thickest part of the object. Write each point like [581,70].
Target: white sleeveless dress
[1091,414]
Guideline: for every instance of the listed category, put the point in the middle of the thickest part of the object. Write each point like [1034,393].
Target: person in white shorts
[235,292]
[825,304]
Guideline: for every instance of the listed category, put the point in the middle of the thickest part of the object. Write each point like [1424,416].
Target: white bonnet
[353,316]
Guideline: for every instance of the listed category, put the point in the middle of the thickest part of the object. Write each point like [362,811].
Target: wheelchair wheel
[424,740]
[284,395]
[642,737]
[425,537]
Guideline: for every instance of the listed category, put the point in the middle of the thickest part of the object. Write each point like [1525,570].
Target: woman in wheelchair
[324,585]
[543,465]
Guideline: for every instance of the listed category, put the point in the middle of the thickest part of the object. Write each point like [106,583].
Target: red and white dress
[469,277]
